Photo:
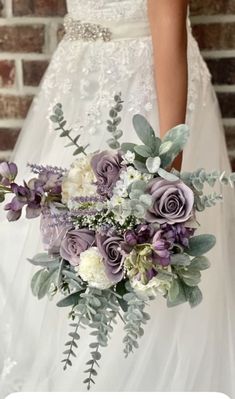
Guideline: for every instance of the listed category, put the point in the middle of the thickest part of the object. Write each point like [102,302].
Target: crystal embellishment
[77,30]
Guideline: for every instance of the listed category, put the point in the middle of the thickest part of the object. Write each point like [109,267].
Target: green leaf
[96,355]
[144,131]
[174,290]
[78,151]
[74,335]
[114,144]
[180,299]
[127,147]
[167,176]
[200,263]
[180,260]
[194,296]
[45,282]
[70,300]
[191,277]
[178,136]
[54,118]
[45,260]
[153,164]
[143,151]
[35,283]
[140,166]
[201,244]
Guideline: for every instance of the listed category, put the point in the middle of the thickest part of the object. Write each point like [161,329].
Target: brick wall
[28,37]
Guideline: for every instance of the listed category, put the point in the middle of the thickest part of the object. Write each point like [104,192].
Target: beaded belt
[91,32]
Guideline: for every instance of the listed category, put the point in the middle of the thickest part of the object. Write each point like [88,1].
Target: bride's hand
[169,33]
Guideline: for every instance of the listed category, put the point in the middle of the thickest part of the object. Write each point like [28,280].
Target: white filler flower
[154,287]
[92,269]
[80,180]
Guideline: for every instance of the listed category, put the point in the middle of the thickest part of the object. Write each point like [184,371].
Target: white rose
[92,269]
[79,181]
[154,287]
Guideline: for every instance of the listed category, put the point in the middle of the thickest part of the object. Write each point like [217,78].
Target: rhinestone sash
[91,32]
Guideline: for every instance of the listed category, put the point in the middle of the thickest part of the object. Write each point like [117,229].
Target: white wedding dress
[183,349]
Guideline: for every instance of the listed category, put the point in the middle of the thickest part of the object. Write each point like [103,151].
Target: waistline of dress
[90,31]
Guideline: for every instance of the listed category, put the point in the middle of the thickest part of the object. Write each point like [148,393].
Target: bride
[147,53]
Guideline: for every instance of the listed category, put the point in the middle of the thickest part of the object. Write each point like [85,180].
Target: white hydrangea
[79,181]
[92,269]
[154,287]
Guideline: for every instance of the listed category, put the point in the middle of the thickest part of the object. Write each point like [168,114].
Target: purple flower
[107,167]
[110,249]
[178,234]
[161,249]
[143,234]
[30,196]
[74,243]
[8,172]
[53,232]
[172,202]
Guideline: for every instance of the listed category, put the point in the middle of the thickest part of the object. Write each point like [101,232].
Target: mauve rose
[172,202]
[52,233]
[74,243]
[110,249]
[107,167]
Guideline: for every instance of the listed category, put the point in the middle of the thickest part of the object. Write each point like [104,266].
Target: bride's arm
[169,33]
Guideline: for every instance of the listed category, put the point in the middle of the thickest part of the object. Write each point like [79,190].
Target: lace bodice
[107,10]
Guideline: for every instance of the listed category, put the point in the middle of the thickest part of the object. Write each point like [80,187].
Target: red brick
[8,138]
[222,70]
[211,7]
[215,36]
[7,73]
[45,8]
[22,38]
[1,8]
[15,107]
[227,101]
[33,72]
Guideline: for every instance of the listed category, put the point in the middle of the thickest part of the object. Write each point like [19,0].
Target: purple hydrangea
[178,234]
[161,249]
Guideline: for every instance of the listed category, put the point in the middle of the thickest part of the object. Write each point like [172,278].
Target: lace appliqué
[107,10]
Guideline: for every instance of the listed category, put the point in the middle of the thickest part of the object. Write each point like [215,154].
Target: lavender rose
[107,167]
[74,243]
[172,202]
[110,249]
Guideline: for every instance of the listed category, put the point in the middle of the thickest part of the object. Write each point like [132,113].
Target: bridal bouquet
[119,229]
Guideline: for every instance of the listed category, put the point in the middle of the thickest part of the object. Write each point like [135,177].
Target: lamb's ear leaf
[201,244]
[173,144]
[144,131]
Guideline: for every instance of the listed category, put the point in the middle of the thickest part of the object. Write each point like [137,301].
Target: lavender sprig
[37,169]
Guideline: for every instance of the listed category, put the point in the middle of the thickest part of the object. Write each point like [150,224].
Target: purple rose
[107,167]
[161,249]
[172,202]
[8,172]
[74,243]
[53,232]
[110,249]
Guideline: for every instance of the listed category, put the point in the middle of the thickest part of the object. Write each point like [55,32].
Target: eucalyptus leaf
[45,260]
[174,290]
[194,296]
[127,147]
[180,298]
